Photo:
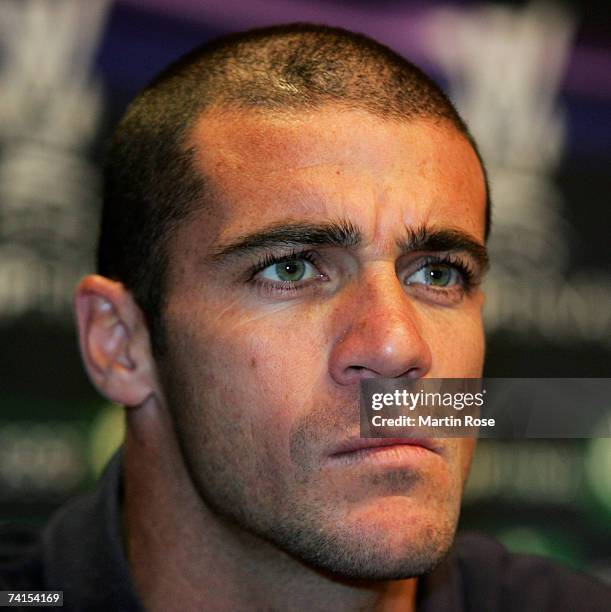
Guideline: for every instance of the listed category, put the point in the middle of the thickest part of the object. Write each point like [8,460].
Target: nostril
[357,372]
[414,373]
[362,372]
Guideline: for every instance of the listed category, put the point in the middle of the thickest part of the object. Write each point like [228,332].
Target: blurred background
[533,81]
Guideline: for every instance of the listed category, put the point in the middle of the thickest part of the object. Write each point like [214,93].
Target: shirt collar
[82,549]
[442,588]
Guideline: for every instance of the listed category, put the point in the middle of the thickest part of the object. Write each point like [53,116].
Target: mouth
[356,449]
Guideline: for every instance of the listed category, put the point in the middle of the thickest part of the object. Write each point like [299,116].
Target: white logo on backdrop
[505,67]
[49,189]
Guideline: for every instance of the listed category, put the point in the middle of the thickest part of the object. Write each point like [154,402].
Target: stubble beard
[291,519]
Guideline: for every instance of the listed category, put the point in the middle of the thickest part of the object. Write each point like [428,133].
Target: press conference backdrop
[534,83]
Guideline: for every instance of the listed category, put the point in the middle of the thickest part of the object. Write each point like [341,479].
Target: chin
[383,545]
[362,557]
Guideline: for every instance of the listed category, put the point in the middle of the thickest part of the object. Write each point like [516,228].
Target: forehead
[335,163]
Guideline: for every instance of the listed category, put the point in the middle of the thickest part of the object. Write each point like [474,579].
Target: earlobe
[114,341]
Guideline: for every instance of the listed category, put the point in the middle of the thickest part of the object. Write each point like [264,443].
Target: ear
[114,341]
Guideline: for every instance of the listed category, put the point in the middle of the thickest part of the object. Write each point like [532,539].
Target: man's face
[269,336]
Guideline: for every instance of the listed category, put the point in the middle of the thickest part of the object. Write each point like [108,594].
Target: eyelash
[467,273]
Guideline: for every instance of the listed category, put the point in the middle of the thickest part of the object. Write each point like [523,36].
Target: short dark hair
[151,184]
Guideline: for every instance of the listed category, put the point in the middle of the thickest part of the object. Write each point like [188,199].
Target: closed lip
[356,443]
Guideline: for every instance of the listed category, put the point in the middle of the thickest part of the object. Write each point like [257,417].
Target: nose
[382,335]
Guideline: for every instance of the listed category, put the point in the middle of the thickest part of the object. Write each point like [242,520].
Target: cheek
[261,372]
[456,340]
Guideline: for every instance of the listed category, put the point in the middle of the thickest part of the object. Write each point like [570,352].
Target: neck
[183,556]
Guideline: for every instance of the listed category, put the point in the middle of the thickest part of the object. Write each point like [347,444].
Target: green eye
[289,271]
[439,275]
[435,275]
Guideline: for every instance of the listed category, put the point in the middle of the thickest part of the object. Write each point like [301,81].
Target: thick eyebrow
[347,235]
[334,234]
[444,240]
